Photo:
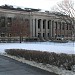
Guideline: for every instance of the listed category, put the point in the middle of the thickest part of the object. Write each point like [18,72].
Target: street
[12,67]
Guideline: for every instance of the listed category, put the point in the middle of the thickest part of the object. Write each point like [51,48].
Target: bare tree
[67,13]
[65,7]
[20,28]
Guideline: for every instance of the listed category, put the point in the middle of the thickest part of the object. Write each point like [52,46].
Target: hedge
[61,60]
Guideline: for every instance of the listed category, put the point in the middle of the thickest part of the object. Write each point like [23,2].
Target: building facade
[44,26]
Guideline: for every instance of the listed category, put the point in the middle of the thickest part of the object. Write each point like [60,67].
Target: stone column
[68,31]
[46,29]
[33,27]
[42,28]
[51,29]
[56,29]
[36,27]
[60,30]
[64,30]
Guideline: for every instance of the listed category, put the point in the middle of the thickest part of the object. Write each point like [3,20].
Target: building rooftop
[10,7]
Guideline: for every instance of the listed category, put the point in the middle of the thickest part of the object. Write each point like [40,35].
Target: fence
[16,39]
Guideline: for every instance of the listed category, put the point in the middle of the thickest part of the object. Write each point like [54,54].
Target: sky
[38,4]
[41,4]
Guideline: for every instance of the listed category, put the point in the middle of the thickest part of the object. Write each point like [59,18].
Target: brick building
[30,23]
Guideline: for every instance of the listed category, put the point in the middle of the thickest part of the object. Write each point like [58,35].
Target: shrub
[59,60]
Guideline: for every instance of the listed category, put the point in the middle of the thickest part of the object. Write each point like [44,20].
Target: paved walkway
[12,67]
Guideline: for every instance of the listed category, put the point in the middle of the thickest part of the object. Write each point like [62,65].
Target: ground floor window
[2,34]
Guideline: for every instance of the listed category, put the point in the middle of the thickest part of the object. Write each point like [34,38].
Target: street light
[20,37]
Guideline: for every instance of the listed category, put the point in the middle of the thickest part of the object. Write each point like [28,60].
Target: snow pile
[46,67]
[68,48]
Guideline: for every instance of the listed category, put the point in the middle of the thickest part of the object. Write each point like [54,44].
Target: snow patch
[68,48]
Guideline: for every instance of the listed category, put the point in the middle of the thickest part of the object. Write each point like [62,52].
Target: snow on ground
[68,48]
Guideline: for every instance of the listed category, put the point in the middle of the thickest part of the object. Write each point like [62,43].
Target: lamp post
[73,36]
[20,37]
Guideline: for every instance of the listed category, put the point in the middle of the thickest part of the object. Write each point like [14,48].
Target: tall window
[49,24]
[43,34]
[2,20]
[48,34]
[9,22]
[56,25]
[39,35]
[39,23]
[63,25]
[67,27]
[44,24]
[59,25]
[70,27]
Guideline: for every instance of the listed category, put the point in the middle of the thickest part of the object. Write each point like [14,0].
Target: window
[2,21]
[39,35]
[70,27]
[9,34]
[43,34]
[63,26]
[2,34]
[59,25]
[49,24]
[67,27]
[26,19]
[44,24]
[39,23]
[9,22]
[48,34]
[56,25]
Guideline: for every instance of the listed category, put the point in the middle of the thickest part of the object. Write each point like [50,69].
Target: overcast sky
[41,4]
